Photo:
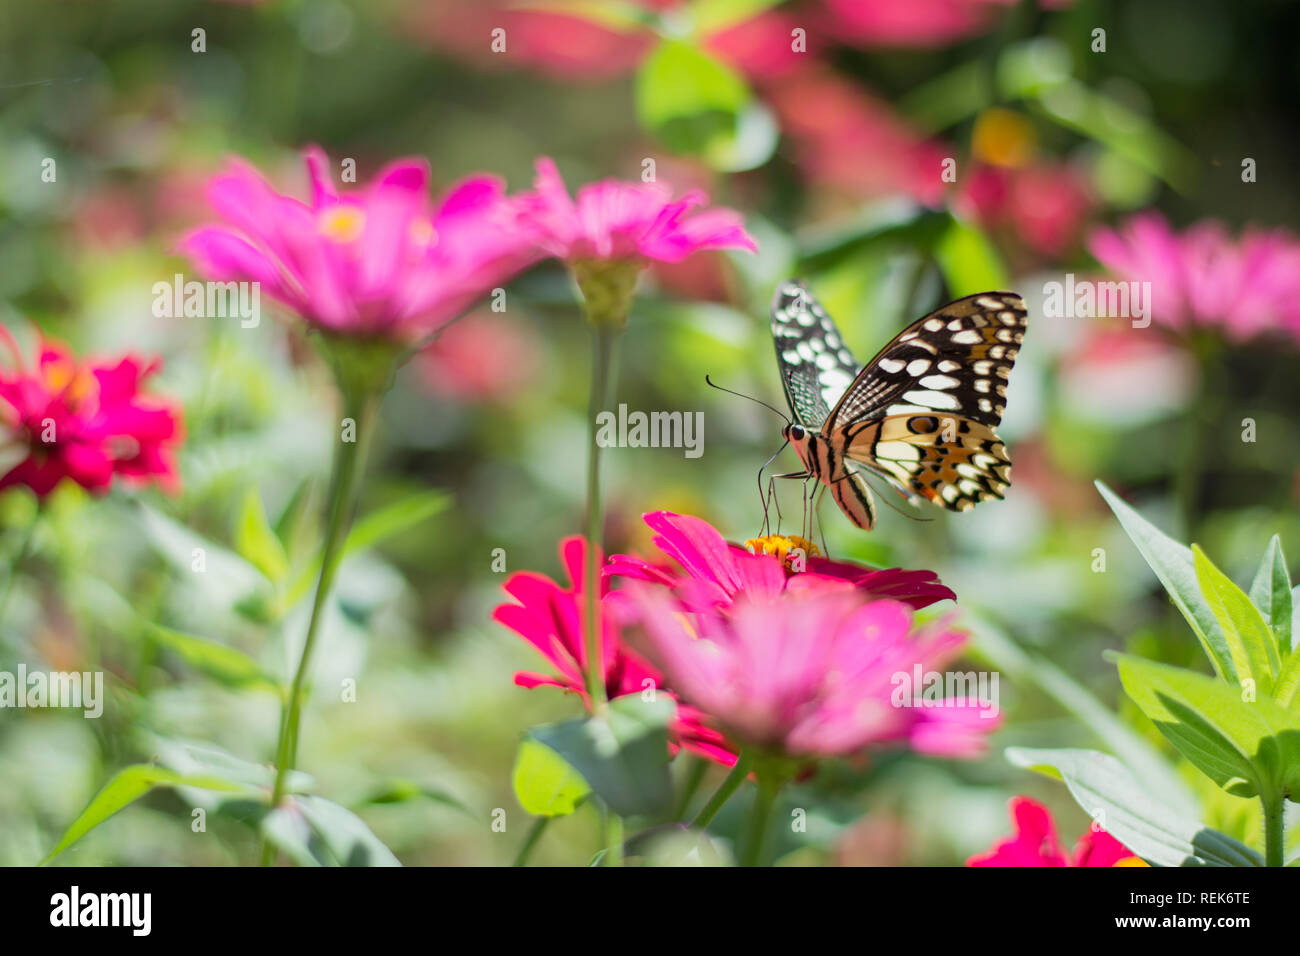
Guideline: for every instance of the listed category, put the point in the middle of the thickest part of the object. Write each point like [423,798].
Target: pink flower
[716,574]
[378,261]
[1203,277]
[87,421]
[483,357]
[914,23]
[847,139]
[814,674]
[1036,843]
[1044,206]
[550,617]
[613,220]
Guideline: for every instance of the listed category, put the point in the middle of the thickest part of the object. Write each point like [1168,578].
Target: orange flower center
[342,223]
[790,548]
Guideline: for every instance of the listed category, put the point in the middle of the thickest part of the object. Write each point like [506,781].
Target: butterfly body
[921,415]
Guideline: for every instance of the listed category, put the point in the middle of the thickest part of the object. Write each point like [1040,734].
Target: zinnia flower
[715,573]
[87,421]
[625,221]
[550,617]
[812,675]
[1203,277]
[375,262]
[1036,843]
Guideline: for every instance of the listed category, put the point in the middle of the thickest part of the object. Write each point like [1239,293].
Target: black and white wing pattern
[923,411]
[816,366]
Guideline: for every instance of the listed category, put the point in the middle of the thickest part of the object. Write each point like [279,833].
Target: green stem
[613,838]
[534,834]
[759,816]
[606,337]
[1274,830]
[349,459]
[720,796]
[691,785]
[20,559]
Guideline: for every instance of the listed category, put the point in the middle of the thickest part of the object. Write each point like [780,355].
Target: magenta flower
[1202,277]
[625,221]
[715,573]
[812,675]
[1036,843]
[550,617]
[376,262]
[86,421]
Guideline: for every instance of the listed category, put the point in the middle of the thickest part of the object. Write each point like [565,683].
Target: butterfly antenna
[750,397]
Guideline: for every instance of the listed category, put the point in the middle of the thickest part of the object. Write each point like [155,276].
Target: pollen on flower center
[342,223]
[783,546]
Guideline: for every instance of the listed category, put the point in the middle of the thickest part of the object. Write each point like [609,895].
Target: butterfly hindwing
[816,366]
[956,360]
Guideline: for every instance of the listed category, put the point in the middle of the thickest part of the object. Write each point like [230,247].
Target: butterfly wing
[923,412]
[816,366]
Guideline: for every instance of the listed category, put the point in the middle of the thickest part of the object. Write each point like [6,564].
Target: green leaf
[691,102]
[226,665]
[620,16]
[1271,593]
[1249,638]
[374,528]
[1288,681]
[404,791]
[622,754]
[289,525]
[256,542]
[127,786]
[1108,792]
[545,784]
[1249,748]
[313,831]
[1147,762]
[969,261]
[1173,565]
[227,578]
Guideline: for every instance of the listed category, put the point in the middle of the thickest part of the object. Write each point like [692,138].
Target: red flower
[717,573]
[1036,843]
[86,421]
[550,617]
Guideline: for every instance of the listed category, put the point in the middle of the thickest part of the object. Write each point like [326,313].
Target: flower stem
[694,777]
[349,458]
[20,559]
[720,796]
[602,369]
[1273,830]
[534,835]
[613,838]
[759,816]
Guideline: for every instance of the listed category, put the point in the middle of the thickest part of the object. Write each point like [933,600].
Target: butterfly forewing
[816,366]
[955,360]
[923,412]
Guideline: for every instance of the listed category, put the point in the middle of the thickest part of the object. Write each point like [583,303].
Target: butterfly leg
[821,525]
[772,497]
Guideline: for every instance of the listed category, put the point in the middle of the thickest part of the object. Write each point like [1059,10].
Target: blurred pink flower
[913,23]
[1036,843]
[484,356]
[718,573]
[613,220]
[374,262]
[550,617]
[1044,205]
[84,420]
[815,674]
[1203,277]
[849,140]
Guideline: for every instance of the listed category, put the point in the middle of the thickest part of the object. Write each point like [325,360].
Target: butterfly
[921,414]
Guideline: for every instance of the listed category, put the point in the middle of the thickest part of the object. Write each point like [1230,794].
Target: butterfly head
[795,433]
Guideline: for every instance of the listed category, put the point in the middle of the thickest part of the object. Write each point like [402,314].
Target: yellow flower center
[342,223]
[66,378]
[788,547]
[422,234]
[1131,861]
[1003,138]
